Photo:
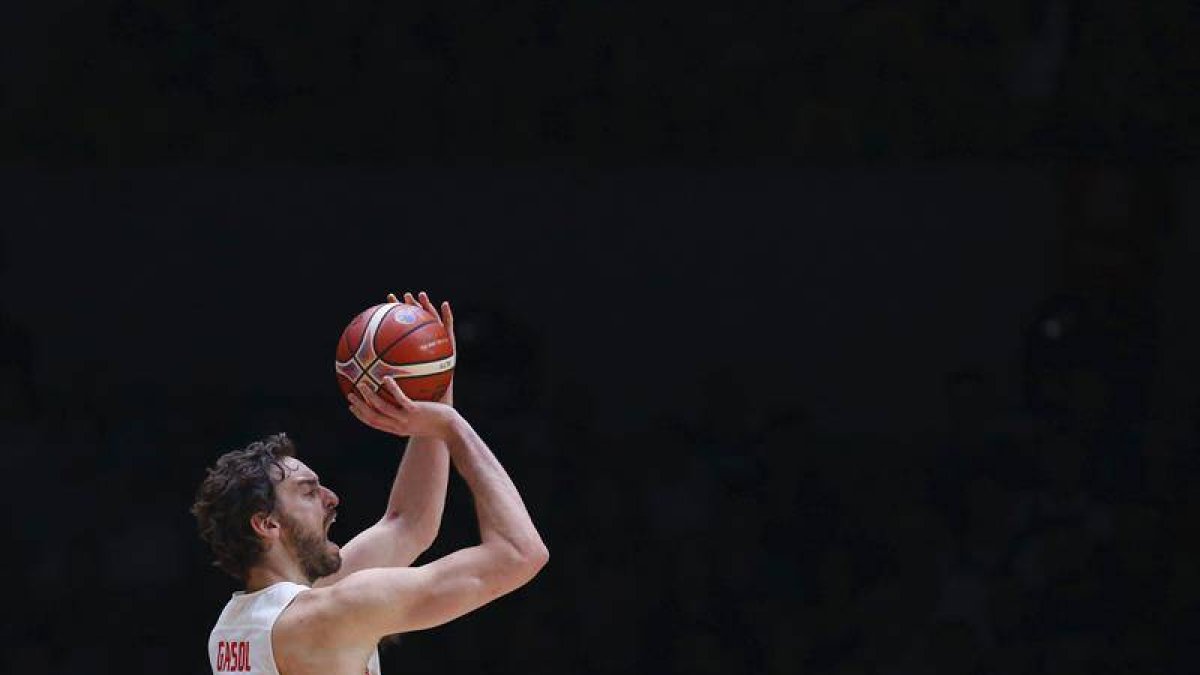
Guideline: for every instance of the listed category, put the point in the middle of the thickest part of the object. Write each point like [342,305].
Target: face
[306,509]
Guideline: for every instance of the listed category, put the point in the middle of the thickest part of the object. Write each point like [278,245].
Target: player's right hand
[407,418]
[444,317]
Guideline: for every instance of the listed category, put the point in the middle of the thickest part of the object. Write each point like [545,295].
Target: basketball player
[311,608]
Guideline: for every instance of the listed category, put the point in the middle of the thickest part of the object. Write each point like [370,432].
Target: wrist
[452,423]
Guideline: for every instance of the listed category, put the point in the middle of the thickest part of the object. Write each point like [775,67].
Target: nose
[331,498]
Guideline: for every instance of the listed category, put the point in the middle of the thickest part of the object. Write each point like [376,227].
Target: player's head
[260,500]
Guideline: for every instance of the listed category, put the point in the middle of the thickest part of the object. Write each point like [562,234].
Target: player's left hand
[401,416]
[444,317]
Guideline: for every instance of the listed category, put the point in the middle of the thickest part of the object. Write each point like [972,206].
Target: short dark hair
[239,485]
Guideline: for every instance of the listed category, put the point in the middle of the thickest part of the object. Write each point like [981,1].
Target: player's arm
[382,601]
[414,513]
[413,516]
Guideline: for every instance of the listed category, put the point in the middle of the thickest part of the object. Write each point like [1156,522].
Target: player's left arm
[418,497]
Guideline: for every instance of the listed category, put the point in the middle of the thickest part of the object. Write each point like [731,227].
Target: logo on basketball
[433,344]
[405,316]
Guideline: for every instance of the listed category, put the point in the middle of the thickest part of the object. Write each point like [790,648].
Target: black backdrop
[834,337]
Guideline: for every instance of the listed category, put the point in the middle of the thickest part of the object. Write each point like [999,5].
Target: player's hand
[407,418]
[446,318]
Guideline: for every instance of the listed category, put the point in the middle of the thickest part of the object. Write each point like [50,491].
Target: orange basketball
[396,340]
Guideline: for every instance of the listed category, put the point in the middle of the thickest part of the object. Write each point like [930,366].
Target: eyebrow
[307,481]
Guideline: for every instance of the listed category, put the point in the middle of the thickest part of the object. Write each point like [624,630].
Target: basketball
[396,340]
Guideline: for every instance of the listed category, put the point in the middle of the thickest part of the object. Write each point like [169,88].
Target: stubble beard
[316,554]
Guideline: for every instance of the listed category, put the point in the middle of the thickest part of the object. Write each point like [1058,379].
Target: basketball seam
[381,353]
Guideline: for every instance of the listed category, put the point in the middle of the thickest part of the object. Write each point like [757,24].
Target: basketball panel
[425,344]
[345,385]
[353,334]
[400,320]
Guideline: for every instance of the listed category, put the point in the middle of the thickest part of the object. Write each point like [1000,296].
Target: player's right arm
[386,600]
[382,601]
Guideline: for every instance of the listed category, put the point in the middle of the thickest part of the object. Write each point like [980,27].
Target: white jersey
[241,640]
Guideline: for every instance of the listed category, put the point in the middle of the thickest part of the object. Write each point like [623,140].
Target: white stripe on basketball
[348,369]
[366,348]
[381,370]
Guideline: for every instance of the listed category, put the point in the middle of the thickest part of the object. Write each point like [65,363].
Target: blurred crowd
[1046,538]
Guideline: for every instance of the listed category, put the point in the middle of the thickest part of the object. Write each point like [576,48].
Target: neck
[274,569]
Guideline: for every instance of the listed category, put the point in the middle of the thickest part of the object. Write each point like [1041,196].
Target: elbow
[533,558]
[522,563]
[539,557]
[515,567]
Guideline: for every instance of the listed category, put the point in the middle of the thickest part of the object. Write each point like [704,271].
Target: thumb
[401,398]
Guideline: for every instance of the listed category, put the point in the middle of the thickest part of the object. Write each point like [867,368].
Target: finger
[410,300]
[371,418]
[360,411]
[363,413]
[360,401]
[374,401]
[397,393]
[448,322]
[392,298]
[427,305]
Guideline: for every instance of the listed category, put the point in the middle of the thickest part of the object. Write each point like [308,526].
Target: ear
[265,525]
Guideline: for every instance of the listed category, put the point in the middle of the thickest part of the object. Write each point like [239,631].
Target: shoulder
[313,635]
[334,615]
[309,615]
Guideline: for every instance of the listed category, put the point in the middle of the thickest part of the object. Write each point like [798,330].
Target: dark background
[829,337]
